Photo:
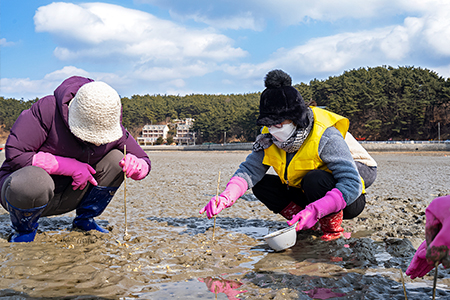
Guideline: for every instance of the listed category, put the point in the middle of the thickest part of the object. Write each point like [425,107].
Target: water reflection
[323,293]
[220,285]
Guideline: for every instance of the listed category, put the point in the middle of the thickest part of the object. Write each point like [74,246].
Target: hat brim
[97,137]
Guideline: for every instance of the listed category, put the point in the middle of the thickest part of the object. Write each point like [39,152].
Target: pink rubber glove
[80,172]
[419,266]
[134,167]
[330,203]
[437,231]
[236,187]
[436,246]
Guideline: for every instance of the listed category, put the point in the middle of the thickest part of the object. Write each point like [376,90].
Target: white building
[183,135]
[150,133]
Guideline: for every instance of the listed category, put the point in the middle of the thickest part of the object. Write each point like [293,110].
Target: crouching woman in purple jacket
[65,153]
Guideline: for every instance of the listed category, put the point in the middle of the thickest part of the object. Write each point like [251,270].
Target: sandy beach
[169,252]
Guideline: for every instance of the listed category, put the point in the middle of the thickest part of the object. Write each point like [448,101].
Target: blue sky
[212,47]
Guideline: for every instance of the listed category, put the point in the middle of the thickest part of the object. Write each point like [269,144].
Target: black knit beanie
[281,101]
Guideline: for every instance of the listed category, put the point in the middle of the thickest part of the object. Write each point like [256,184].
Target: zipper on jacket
[90,152]
[286,172]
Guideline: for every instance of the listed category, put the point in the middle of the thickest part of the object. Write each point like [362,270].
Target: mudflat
[169,253]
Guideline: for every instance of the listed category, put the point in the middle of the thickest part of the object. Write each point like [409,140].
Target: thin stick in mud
[125,192]
[403,282]
[435,279]
[217,198]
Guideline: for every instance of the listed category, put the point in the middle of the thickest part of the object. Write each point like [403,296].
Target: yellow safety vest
[307,157]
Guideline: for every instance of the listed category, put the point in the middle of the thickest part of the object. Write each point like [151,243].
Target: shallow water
[169,252]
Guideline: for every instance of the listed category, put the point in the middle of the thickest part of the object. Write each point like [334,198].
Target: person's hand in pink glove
[437,230]
[236,187]
[435,249]
[330,203]
[419,266]
[134,167]
[80,172]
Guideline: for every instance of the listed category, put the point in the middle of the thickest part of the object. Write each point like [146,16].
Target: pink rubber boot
[331,226]
[289,211]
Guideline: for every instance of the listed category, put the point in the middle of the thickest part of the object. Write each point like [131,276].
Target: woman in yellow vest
[317,178]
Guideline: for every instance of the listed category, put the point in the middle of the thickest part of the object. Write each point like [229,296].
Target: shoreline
[369,146]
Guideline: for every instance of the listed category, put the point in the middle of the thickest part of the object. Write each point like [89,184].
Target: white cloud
[152,55]
[294,12]
[159,49]
[60,75]
[326,55]
[253,14]
[178,83]
[5,43]
[100,30]
[30,89]
[437,30]
[27,89]
[242,20]
[331,55]
[443,71]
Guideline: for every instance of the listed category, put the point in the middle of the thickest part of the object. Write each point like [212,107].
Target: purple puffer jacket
[44,127]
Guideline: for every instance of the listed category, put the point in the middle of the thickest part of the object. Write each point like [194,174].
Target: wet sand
[169,252]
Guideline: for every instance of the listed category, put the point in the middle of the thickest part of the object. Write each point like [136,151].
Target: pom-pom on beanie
[94,114]
[281,101]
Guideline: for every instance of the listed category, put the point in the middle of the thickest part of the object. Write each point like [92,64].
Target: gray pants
[32,187]
[368,174]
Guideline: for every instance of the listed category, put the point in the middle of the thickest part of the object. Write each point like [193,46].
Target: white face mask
[284,132]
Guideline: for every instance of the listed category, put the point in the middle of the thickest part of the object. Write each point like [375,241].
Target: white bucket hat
[94,113]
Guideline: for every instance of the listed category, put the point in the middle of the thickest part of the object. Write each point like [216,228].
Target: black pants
[276,196]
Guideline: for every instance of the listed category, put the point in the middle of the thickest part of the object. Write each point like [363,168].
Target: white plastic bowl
[282,239]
